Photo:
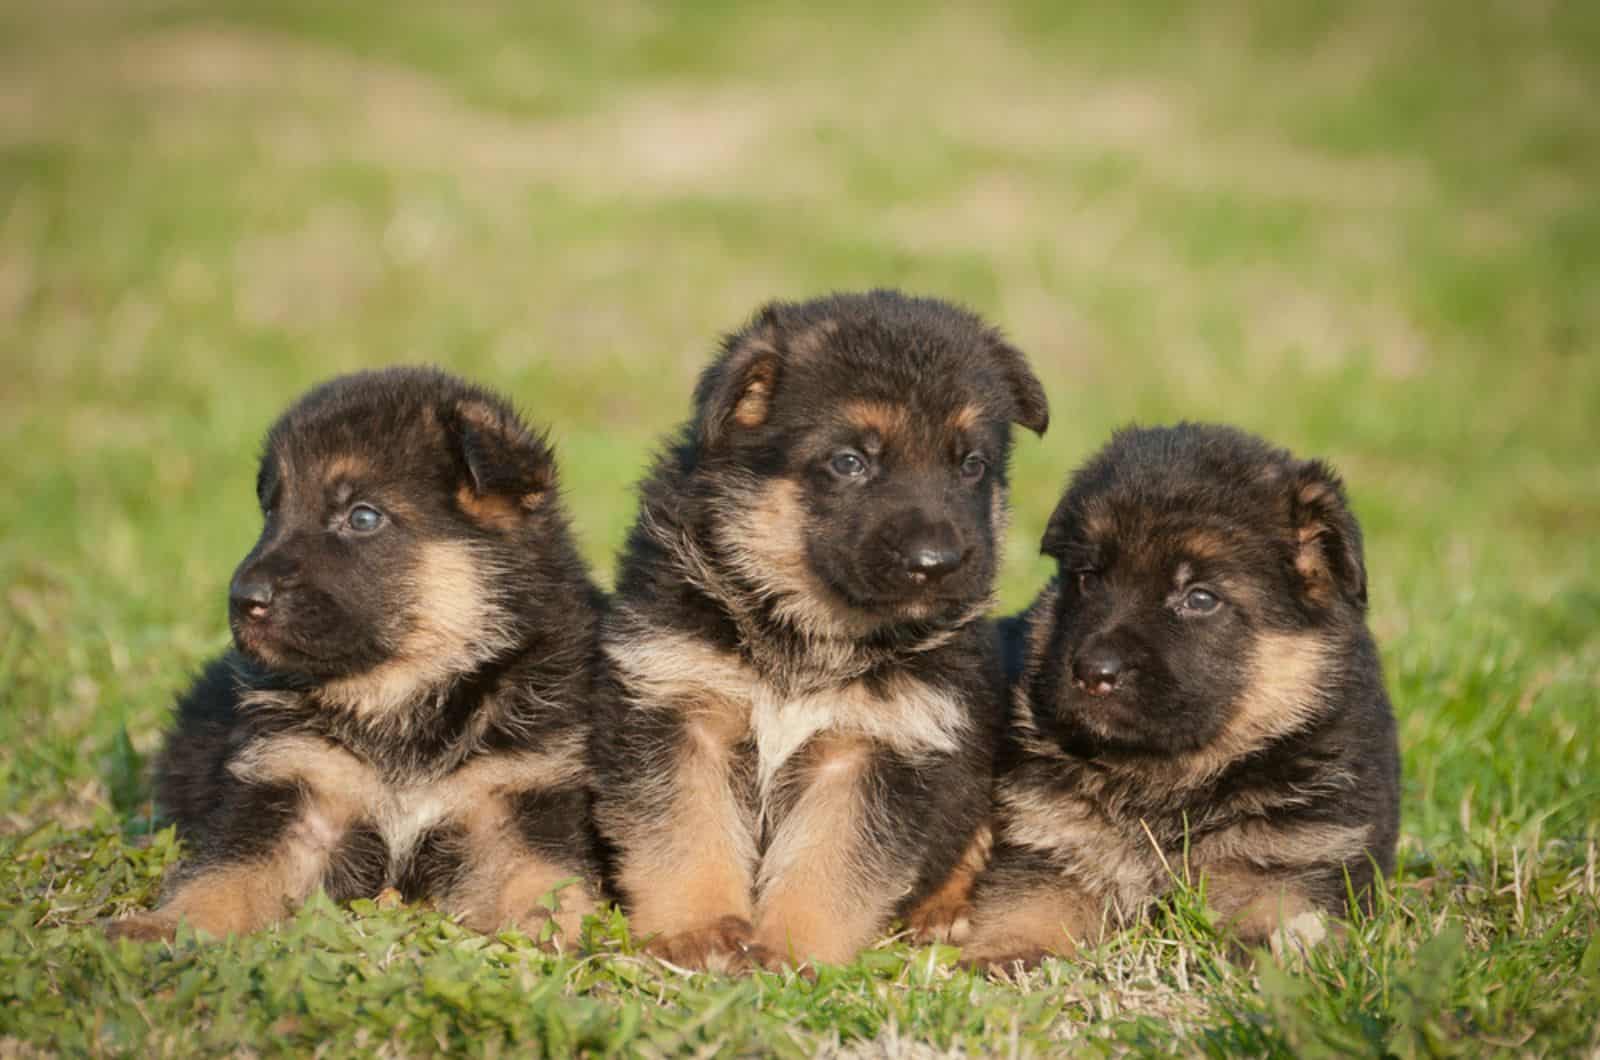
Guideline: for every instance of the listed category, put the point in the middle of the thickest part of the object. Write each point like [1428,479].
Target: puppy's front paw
[724,945]
[946,920]
[142,927]
[1004,961]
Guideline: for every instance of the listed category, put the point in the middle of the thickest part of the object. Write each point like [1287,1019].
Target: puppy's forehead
[351,450]
[1156,535]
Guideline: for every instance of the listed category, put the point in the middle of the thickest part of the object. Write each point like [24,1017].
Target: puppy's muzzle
[250,596]
[929,553]
[1098,668]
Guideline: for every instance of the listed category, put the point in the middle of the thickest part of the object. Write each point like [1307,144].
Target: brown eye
[1088,582]
[973,467]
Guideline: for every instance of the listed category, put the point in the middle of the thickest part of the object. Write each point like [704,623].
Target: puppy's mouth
[915,606]
[266,642]
[1111,716]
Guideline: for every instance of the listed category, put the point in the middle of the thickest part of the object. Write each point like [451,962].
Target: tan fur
[695,867]
[1312,564]
[494,511]
[999,518]
[822,894]
[344,467]
[1107,857]
[240,898]
[946,914]
[662,665]
[1280,698]
[1041,622]
[1054,919]
[909,716]
[1265,844]
[967,417]
[488,419]
[229,901]
[764,541]
[1263,910]
[455,627]
[723,945]
[753,405]
[882,418]
[503,883]
[504,880]
[1207,544]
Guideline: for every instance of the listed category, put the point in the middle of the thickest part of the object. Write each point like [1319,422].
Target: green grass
[1367,230]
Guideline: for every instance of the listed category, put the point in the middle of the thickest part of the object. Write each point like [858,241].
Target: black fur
[470,595]
[818,595]
[1189,559]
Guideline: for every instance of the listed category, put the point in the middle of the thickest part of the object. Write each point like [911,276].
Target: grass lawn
[1370,231]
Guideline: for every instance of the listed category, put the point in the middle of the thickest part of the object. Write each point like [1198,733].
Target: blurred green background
[1369,230]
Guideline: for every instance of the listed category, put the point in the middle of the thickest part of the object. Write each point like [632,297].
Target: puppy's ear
[507,470]
[1059,531]
[1030,407]
[1327,539]
[736,392]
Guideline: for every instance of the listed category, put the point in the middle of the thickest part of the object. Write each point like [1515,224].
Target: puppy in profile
[405,705]
[804,693]
[1198,695]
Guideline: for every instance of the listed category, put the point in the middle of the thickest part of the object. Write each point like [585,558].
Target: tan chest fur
[724,700]
[341,790]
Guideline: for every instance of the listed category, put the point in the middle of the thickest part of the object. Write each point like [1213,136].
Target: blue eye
[848,464]
[1201,601]
[973,467]
[364,519]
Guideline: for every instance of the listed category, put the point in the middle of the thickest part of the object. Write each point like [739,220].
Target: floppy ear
[737,390]
[508,471]
[1327,539]
[1030,407]
[1058,531]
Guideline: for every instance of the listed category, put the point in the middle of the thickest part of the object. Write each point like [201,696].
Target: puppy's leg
[526,860]
[1262,910]
[835,868]
[681,821]
[267,852]
[946,914]
[1026,909]
[1275,880]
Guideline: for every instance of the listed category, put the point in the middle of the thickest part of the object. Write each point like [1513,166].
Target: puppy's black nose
[930,563]
[250,595]
[1097,669]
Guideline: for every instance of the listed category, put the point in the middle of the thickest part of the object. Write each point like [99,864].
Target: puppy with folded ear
[406,703]
[804,691]
[1198,693]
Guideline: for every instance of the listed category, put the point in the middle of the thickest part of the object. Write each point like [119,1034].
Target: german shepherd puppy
[1198,695]
[406,702]
[804,700]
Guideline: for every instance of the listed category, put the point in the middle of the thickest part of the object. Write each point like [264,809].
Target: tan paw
[142,927]
[1003,961]
[725,945]
[945,921]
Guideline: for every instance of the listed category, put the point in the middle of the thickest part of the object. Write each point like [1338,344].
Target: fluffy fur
[406,702]
[1197,696]
[798,736]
